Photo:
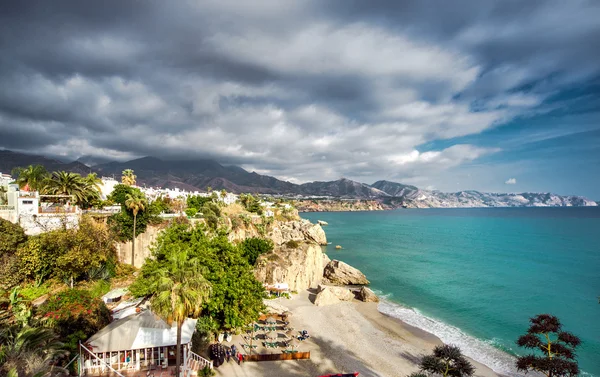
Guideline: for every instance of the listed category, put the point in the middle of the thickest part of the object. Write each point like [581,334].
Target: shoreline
[348,337]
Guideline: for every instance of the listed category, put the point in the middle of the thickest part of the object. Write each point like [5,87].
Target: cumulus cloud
[511,181]
[298,90]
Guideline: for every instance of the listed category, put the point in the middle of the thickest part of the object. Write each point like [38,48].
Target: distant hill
[200,174]
[10,160]
[396,189]
[342,188]
[92,161]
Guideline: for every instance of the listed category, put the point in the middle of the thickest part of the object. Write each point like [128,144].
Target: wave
[482,351]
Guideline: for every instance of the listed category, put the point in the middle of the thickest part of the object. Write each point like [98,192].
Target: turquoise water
[473,277]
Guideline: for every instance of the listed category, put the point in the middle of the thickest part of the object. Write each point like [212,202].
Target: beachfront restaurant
[142,341]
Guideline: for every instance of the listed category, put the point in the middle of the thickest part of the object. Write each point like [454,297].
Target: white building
[5,179]
[36,216]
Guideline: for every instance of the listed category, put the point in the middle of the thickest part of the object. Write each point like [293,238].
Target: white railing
[196,362]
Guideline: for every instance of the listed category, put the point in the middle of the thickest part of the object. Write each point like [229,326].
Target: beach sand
[347,337]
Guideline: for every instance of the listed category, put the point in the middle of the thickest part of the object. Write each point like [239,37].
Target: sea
[473,277]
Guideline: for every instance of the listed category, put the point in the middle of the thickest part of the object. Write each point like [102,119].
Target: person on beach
[228,353]
[240,358]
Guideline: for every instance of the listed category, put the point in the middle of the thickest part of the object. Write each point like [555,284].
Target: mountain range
[195,175]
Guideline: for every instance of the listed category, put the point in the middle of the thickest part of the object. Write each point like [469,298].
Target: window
[27,201]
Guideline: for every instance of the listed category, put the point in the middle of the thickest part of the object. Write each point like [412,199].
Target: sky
[499,96]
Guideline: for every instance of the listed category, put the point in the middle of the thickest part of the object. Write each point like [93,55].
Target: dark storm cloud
[306,90]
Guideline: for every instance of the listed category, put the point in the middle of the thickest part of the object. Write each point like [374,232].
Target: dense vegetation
[236,295]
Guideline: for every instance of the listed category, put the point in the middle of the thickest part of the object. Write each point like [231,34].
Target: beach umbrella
[272,335]
[271,320]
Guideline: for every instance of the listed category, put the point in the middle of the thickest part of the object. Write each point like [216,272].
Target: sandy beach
[347,337]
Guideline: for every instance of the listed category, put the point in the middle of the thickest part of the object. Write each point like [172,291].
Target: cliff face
[281,232]
[301,268]
[142,246]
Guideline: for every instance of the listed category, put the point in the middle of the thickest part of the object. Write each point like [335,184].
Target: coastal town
[299,188]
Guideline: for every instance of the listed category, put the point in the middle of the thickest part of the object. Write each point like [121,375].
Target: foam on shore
[479,350]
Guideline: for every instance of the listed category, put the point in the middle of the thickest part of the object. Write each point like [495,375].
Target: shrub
[74,310]
[292,244]
[11,236]
[253,247]
[191,212]
[11,273]
[31,292]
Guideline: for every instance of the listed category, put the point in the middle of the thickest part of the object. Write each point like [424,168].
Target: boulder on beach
[332,295]
[367,295]
[343,294]
[340,273]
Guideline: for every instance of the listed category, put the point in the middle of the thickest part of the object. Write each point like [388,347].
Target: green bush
[292,244]
[191,212]
[11,273]
[253,247]
[31,292]
[11,236]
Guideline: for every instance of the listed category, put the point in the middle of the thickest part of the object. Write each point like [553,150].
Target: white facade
[5,179]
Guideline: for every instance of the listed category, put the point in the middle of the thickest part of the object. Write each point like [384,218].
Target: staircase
[196,362]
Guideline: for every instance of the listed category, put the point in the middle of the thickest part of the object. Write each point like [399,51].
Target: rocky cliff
[301,268]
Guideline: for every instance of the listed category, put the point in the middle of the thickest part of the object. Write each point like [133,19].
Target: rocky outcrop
[332,295]
[322,223]
[301,268]
[326,259]
[340,273]
[367,295]
[343,294]
[326,297]
[303,230]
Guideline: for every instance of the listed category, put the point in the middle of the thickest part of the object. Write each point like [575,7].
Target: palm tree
[33,176]
[28,351]
[93,181]
[128,178]
[179,292]
[67,183]
[135,203]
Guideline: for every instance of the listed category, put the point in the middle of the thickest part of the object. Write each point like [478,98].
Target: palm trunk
[133,240]
[178,357]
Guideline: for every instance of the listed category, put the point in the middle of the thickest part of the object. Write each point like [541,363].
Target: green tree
[253,247]
[555,356]
[236,298]
[128,177]
[447,360]
[11,236]
[90,247]
[33,176]
[29,351]
[179,290]
[135,203]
